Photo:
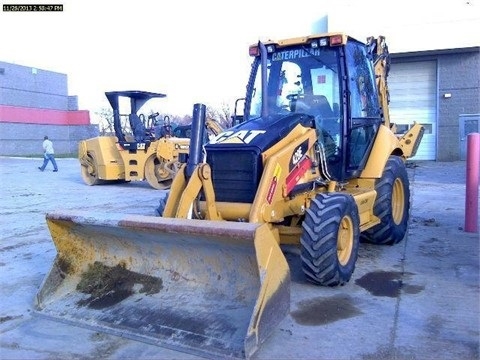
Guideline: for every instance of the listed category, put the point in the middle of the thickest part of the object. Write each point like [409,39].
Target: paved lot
[418,299]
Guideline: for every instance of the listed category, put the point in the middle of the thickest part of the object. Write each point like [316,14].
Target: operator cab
[135,132]
[331,79]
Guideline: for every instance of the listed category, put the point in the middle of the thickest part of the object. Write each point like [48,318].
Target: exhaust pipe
[196,139]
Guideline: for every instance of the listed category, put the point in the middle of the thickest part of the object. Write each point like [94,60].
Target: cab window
[364,106]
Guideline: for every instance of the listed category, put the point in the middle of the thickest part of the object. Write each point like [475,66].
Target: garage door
[413,97]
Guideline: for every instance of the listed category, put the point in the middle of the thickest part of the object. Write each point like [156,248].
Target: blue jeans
[46,159]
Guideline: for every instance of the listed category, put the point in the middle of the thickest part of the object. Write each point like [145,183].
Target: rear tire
[330,239]
[392,204]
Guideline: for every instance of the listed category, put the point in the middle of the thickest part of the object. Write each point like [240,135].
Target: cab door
[363,107]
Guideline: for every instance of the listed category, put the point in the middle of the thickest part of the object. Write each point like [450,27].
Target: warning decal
[273,184]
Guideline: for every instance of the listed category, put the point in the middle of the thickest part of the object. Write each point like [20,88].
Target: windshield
[300,79]
[303,80]
[315,81]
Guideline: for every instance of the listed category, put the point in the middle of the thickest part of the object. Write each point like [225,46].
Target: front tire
[89,170]
[158,177]
[392,204]
[330,239]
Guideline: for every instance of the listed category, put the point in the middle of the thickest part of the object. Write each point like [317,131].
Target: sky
[197,51]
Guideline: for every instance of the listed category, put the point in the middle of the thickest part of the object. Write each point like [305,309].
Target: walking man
[48,155]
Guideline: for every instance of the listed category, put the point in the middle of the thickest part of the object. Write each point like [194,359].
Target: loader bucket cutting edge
[208,288]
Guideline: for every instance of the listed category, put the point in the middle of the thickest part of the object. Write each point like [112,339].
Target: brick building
[34,103]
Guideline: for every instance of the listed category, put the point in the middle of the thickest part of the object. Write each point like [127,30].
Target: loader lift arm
[193,176]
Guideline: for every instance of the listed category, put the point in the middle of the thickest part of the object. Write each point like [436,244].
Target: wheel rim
[156,174]
[345,240]
[398,201]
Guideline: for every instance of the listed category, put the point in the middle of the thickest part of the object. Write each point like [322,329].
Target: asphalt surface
[418,299]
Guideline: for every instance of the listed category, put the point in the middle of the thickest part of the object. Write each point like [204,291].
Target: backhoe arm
[411,140]
[378,50]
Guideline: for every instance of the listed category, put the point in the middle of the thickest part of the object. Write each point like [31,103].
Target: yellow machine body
[102,159]
[209,276]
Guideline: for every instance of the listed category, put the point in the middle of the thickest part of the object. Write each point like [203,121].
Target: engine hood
[259,133]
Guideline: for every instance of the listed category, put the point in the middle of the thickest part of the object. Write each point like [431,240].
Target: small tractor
[139,150]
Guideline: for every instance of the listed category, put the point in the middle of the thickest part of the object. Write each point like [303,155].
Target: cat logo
[297,156]
[239,137]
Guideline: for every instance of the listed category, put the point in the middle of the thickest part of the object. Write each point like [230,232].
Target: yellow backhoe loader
[314,164]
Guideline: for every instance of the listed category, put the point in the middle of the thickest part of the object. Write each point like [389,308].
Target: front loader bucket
[208,288]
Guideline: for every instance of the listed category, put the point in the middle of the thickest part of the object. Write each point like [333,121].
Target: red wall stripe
[14,114]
